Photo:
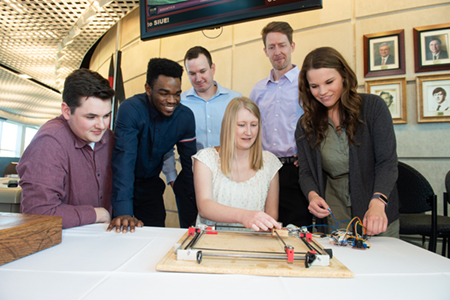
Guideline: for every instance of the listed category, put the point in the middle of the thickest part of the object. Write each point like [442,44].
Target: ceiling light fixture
[24,76]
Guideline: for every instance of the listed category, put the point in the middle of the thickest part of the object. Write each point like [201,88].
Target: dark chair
[416,197]
[444,221]
[10,169]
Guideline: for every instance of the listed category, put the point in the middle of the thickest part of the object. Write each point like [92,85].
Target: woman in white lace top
[238,182]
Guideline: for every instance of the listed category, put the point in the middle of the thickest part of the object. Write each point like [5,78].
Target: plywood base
[229,241]
[22,235]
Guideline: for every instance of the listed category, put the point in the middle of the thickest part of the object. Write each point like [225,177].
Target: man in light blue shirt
[277,99]
[207,99]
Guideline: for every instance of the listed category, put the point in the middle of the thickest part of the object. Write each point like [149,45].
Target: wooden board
[22,235]
[250,242]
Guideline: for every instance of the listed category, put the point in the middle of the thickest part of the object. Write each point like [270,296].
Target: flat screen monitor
[160,18]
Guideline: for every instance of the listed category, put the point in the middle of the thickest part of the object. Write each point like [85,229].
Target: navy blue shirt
[143,136]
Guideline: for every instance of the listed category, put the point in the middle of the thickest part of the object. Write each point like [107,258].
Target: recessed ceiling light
[24,76]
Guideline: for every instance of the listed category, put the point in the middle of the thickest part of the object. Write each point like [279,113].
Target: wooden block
[281,232]
[22,235]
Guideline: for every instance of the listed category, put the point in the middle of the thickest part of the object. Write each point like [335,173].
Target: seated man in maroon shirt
[66,170]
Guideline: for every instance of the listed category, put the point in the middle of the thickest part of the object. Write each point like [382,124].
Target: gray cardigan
[373,162]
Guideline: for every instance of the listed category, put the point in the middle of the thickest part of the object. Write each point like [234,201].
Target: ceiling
[47,40]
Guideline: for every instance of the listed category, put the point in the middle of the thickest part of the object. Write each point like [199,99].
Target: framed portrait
[393,92]
[433,94]
[431,48]
[384,53]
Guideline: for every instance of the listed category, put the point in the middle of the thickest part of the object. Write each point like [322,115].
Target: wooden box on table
[22,235]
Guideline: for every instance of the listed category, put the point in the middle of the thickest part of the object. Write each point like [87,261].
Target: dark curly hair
[162,66]
[315,118]
[85,83]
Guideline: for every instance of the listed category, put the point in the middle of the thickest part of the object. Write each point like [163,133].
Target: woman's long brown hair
[315,119]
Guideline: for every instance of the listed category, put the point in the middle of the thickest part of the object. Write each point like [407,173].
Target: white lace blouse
[250,194]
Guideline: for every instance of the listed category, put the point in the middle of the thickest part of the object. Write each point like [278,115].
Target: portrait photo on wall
[433,98]
[393,92]
[384,54]
[431,47]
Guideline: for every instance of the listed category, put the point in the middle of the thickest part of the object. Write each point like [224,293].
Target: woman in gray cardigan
[346,146]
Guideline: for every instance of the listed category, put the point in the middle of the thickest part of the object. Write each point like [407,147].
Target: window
[8,142]
[29,134]
[14,138]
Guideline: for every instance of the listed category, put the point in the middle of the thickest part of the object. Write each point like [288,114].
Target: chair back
[414,191]
[447,182]
[446,198]
[10,169]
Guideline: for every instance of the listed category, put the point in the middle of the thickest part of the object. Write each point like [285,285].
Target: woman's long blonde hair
[228,136]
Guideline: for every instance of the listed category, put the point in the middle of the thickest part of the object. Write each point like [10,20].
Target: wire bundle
[354,234]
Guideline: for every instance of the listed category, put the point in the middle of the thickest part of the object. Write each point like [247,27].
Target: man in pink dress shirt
[66,169]
[277,98]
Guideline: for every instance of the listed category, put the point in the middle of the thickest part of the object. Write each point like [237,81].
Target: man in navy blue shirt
[148,125]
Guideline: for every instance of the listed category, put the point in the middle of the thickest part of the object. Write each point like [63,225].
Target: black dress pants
[185,197]
[293,206]
[148,202]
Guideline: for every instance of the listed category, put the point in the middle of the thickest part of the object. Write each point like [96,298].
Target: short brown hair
[435,38]
[440,90]
[85,83]
[282,27]
[194,52]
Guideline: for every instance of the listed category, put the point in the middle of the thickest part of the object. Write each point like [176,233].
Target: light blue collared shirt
[208,114]
[280,111]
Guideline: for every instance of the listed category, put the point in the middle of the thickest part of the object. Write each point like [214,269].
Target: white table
[91,263]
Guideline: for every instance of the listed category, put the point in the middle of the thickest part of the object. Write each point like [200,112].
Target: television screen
[161,18]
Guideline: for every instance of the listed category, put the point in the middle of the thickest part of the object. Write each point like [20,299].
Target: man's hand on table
[123,222]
